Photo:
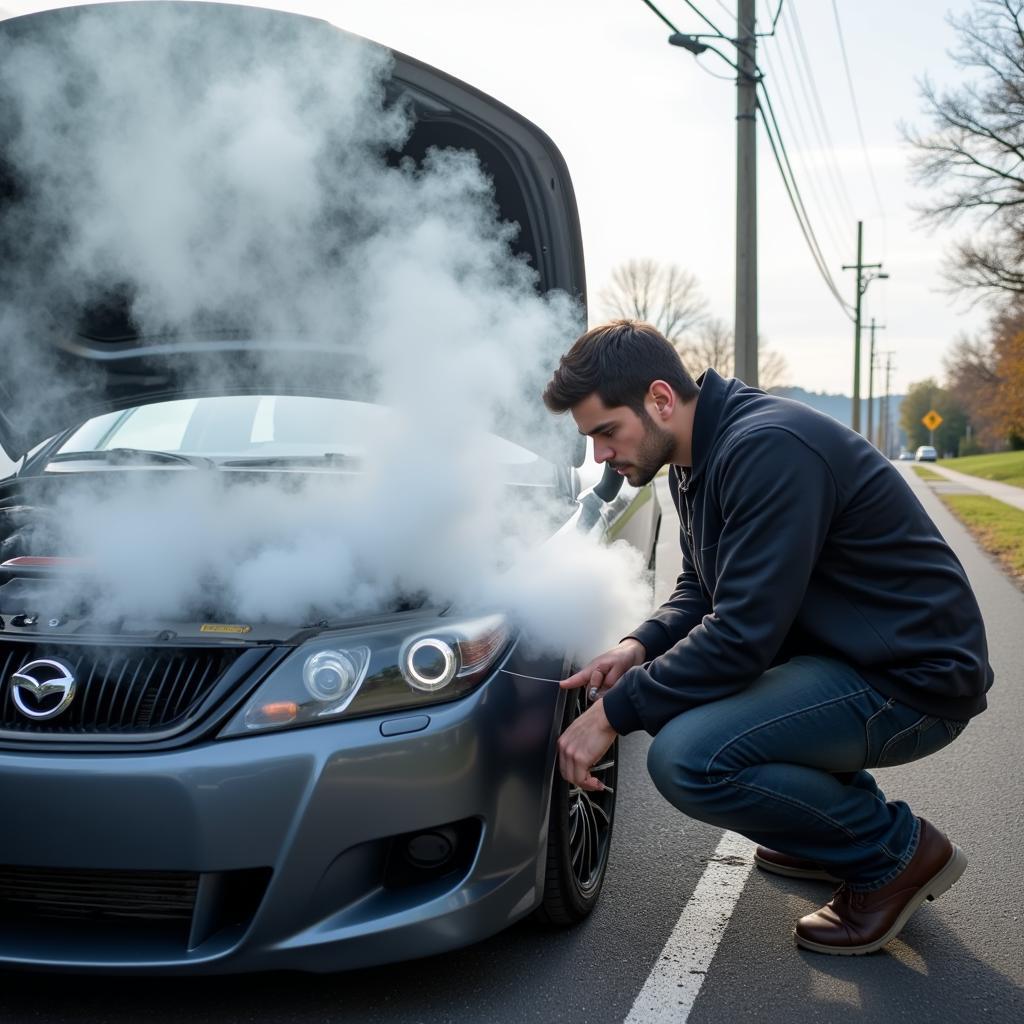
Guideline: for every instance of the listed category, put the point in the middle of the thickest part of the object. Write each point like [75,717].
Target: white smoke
[243,181]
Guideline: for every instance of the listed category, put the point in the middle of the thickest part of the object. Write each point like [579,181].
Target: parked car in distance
[926,453]
[905,456]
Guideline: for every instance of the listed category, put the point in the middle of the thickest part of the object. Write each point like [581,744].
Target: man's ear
[663,399]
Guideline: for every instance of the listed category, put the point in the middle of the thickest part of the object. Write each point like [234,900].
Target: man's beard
[656,449]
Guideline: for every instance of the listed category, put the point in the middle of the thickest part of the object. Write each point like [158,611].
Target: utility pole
[863,280]
[745,326]
[871,380]
[747,76]
[886,425]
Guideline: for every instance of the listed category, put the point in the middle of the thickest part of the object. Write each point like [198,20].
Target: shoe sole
[939,883]
[819,874]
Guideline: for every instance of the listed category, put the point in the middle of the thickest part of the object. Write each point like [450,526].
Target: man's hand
[582,745]
[605,670]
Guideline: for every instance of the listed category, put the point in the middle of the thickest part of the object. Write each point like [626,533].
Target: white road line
[671,988]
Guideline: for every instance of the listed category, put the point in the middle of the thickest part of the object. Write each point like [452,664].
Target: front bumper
[309,817]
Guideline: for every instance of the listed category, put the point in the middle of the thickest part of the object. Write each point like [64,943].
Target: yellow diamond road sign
[931,419]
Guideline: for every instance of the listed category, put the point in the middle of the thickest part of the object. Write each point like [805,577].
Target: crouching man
[820,627]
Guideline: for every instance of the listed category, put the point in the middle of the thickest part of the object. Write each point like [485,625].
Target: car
[198,793]
[926,453]
[906,456]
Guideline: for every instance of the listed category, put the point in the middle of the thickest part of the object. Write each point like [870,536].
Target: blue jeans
[783,763]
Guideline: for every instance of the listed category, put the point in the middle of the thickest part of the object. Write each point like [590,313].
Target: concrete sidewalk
[1003,492]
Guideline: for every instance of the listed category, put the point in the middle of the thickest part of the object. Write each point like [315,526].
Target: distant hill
[840,407]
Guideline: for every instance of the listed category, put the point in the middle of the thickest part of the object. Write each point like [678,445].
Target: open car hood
[119,369]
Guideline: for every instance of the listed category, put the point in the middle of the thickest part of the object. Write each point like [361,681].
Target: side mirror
[610,484]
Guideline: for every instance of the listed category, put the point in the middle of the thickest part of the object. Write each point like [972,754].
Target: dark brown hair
[618,360]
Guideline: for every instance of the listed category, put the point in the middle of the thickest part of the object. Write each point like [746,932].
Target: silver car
[187,795]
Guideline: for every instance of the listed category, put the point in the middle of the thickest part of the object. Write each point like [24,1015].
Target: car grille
[127,689]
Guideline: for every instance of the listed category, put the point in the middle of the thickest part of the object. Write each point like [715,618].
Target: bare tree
[973,153]
[670,298]
[972,377]
[772,368]
[712,345]
[665,295]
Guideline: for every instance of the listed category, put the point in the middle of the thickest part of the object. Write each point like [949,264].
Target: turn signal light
[278,712]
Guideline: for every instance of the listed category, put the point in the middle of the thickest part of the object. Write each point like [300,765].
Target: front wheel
[579,835]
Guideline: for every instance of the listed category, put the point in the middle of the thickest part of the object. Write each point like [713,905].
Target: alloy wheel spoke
[574,823]
[594,840]
[587,845]
[581,841]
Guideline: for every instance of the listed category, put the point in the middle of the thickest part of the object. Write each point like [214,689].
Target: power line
[829,215]
[773,128]
[721,35]
[774,134]
[660,15]
[792,189]
[789,182]
[703,46]
[718,32]
[856,114]
[778,147]
[761,35]
[805,75]
[707,21]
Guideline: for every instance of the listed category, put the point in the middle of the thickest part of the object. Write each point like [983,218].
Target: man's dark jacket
[800,537]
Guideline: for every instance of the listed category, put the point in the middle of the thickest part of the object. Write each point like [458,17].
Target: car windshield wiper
[123,455]
[269,461]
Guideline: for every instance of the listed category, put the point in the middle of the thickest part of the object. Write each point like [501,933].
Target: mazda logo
[43,688]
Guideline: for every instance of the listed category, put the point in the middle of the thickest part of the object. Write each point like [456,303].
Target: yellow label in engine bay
[222,627]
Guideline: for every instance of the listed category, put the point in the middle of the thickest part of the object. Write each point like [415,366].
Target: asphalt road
[959,959]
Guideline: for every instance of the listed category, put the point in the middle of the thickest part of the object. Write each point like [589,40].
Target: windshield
[255,427]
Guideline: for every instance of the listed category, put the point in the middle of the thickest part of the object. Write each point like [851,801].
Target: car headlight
[332,677]
[429,664]
[373,671]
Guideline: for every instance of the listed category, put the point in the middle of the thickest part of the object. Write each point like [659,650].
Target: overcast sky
[649,138]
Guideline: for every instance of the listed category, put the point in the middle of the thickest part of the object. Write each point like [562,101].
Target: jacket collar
[710,403]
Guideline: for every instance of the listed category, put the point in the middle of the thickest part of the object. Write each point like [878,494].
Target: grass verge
[998,528]
[927,474]
[1006,467]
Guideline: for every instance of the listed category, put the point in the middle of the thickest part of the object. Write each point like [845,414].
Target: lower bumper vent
[93,914]
[97,895]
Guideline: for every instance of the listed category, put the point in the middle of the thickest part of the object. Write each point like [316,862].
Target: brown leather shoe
[853,923]
[793,867]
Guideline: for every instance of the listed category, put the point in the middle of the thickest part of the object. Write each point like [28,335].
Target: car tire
[579,836]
